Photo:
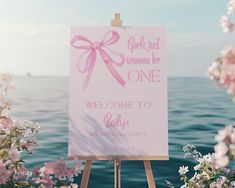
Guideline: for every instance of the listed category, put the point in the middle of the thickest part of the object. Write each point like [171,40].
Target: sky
[34,34]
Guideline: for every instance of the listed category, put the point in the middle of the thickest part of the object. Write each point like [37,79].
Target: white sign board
[118,92]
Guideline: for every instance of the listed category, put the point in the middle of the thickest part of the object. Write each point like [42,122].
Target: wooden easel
[117,168]
[117,22]
[117,174]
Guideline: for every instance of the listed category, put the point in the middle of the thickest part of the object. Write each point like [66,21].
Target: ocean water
[197,110]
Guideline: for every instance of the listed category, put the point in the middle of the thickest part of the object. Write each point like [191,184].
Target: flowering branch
[226,24]
[215,170]
[223,69]
[18,137]
[5,86]
[207,173]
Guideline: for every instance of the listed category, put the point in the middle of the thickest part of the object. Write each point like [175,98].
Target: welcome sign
[118,93]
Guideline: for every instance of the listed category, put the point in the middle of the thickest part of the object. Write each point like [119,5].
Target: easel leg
[117,173]
[149,174]
[86,174]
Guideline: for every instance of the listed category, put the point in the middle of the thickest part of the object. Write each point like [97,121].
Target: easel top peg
[117,22]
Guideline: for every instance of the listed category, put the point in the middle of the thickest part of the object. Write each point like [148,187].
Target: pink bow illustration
[91,49]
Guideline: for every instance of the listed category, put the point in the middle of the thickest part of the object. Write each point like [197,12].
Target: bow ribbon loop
[86,66]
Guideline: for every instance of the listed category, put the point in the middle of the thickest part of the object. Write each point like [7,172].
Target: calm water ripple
[197,110]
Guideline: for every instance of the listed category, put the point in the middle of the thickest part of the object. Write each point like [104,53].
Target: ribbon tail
[115,74]
[92,59]
[108,61]
[87,79]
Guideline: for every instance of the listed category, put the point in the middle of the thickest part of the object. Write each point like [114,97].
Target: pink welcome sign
[118,92]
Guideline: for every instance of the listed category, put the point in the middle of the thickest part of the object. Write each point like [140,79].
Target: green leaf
[23,183]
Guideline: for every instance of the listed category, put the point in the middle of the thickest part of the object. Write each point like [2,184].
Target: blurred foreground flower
[212,170]
[5,174]
[216,170]
[223,70]
[226,25]
[207,173]
[55,174]
[17,137]
[231,7]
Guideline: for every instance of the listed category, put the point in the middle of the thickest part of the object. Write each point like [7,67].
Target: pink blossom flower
[40,177]
[45,180]
[6,123]
[78,164]
[226,25]
[225,146]
[5,77]
[4,173]
[28,144]
[14,154]
[223,70]
[21,172]
[222,162]
[221,150]
[232,149]
[231,6]
[228,55]
[59,169]
[214,71]
[22,169]
[5,103]
[228,77]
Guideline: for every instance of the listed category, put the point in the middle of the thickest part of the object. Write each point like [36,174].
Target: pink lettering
[143,76]
[134,45]
[115,122]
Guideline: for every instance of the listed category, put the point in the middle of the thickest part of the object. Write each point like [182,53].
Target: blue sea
[197,110]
